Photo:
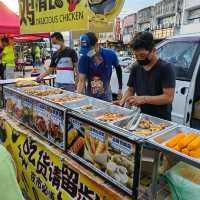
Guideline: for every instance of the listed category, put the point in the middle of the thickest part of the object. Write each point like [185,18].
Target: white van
[183,52]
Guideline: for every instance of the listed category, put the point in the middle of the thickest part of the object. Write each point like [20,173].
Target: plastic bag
[184,182]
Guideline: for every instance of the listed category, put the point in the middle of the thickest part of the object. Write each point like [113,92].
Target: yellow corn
[185,151]
[195,144]
[195,153]
[177,148]
[174,141]
[187,140]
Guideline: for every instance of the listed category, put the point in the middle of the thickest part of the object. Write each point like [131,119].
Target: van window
[181,55]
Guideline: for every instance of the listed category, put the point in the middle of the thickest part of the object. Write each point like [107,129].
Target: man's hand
[136,100]
[119,102]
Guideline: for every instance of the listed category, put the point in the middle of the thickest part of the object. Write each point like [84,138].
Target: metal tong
[133,123]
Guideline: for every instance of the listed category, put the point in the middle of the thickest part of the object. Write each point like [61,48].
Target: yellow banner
[45,173]
[53,15]
[104,10]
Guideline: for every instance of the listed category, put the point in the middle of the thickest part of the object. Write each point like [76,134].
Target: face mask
[144,62]
[56,46]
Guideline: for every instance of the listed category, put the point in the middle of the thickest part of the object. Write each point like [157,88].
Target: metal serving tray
[122,124]
[160,140]
[111,108]
[96,104]
[39,87]
[65,93]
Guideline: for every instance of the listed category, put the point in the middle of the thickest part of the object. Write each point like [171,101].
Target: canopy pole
[51,50]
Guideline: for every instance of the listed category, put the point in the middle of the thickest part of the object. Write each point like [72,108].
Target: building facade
[191,17]
[129,27]
[145,19]
[167,18]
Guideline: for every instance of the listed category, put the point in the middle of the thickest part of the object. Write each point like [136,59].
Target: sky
[130,6]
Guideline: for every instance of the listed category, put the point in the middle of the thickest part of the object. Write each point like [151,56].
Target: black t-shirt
[66,53]
[152,83]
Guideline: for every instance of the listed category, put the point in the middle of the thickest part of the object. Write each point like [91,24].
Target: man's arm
[81,83]
[50,71]
[164,99]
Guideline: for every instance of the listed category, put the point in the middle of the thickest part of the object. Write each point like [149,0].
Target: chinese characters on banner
[44,174]
[53,15]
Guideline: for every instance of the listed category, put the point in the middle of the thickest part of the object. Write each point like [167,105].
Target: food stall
[91,132]
[96,135]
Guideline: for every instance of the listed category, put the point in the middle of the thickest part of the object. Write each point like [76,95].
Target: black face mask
[144,62]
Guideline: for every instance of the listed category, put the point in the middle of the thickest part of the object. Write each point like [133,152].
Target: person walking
[8,59]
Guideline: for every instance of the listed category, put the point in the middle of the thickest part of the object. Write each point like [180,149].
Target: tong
[133,123]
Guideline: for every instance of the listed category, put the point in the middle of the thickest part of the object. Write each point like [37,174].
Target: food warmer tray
[159,141]
[65,93]
[122,123]
[96,104]
[113,109]
[39,87]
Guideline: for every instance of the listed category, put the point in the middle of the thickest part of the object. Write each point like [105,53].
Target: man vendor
[151,82]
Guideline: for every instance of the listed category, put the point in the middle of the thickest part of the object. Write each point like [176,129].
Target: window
[181,55]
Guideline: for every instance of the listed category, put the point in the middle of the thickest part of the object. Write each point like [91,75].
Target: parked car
[183,52]
[125,61]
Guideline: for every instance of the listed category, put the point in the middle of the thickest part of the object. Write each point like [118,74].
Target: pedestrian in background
[8,59]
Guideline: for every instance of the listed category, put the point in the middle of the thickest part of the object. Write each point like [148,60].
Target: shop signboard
[48,16]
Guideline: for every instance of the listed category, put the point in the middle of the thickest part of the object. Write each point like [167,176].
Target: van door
[183,55]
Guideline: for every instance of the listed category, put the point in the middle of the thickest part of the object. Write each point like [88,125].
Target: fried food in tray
[38,92]
[65,98]
[188,144]
[88,107]
[110,116]
[147,127]
[26,83]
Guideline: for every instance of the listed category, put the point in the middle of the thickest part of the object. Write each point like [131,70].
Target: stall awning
[9,21]
[31,37]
